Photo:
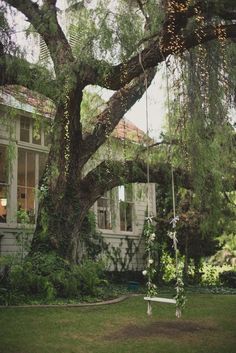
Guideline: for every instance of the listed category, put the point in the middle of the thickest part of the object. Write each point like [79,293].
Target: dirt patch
[169,329]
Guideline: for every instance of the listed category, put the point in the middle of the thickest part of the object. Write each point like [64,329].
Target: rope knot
[174,221]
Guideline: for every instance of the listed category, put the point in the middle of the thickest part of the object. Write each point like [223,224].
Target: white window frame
[11,220]
[130,202]
[107,197]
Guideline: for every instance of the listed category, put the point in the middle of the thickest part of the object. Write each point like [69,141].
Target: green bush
[47,276]
[228,278]
[210,275]
[23,279]
[90,275]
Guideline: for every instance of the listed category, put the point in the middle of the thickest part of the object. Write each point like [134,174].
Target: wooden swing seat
[160,300]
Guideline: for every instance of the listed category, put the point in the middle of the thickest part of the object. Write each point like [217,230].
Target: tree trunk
[59,224]
[62,208]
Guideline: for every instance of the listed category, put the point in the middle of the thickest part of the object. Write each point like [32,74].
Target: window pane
[47,137]
[122,216]
[36,131]
[25,129]
[129,218]
[26,202]
[30,160]
[3,184]
[26,183]
[42,164]
[125,193]
[104,212]
[21,167]
[126,216]
[3,165]
[128,192]
[121,193]
[3,204]
[103,219]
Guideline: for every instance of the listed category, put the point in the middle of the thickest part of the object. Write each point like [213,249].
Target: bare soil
[169,329]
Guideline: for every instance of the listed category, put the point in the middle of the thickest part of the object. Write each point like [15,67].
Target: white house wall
[8,231]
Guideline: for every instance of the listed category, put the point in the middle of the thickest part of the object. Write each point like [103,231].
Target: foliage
[120,257]
[227,253]
[100,46]
[149,272]
[228,278]
[201,126]
[92,240]
[47,276]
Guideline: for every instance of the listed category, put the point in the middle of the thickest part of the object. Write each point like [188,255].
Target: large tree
[114,44]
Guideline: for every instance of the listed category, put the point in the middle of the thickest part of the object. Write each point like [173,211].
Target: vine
[150,271]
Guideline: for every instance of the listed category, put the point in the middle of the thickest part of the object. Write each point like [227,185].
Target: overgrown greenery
[100,46]
[44,278]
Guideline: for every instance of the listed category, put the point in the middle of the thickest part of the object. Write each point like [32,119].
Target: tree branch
[111,174]
[115,77]
[114,173]
[117,106]
[17,71]
[45,22]
[29,8]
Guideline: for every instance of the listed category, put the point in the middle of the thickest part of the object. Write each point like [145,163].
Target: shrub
[90,275]
[210,275]
[48,276]
[25,280]
[228,278]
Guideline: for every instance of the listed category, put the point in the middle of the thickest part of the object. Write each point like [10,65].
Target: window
[30,169]
[3,184]
[32,131]
[36,134]
[26,183]
[104,212]
[126,207]
[25,129]
[47,136]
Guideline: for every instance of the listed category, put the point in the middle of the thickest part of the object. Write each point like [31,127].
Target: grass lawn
[208,326]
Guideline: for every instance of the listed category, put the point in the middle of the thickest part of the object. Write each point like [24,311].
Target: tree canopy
[117,46]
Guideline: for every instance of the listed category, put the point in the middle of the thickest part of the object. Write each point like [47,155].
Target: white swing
[151,299]
[160,300]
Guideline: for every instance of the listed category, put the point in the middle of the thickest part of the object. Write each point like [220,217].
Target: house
[24,134]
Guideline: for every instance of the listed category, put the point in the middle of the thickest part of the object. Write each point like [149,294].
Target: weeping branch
[17,71]
[115,77]
[117,106]
[110,174]
[44,20]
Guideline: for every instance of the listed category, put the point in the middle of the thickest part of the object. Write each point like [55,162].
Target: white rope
[147,131]
[175,218]
[148,218]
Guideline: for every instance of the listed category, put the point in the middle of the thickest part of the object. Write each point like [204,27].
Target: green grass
[208,326]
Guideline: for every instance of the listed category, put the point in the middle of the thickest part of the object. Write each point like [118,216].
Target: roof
[22,98]
[125,129]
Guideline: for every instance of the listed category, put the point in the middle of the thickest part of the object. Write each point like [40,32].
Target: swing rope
[147,129]
[179,298]
[148,218]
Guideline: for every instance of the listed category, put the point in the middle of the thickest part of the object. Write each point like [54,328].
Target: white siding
[9,231]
